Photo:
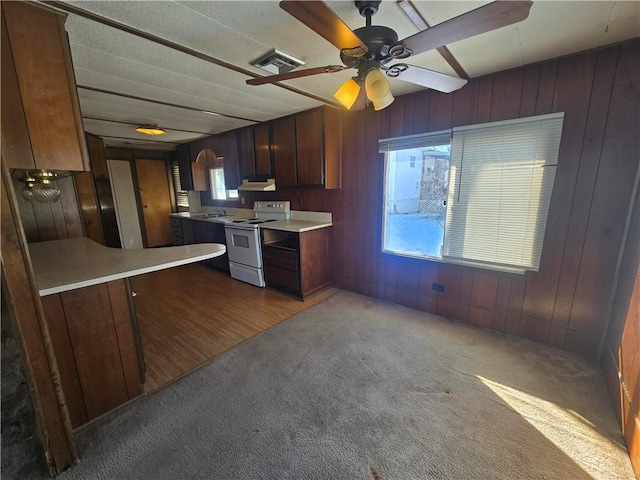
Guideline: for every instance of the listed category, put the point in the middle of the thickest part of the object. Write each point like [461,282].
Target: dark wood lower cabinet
[186,232]
[208,232]
[94,336]
[297,263]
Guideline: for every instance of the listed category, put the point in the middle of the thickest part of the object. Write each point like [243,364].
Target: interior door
[153,184]
[124,201]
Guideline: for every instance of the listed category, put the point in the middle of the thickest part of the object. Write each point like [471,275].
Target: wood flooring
[188,315]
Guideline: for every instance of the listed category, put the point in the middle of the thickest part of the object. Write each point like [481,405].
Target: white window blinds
[409,142]
[500,187]
[182,200]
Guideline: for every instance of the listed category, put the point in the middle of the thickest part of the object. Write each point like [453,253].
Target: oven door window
[240,240]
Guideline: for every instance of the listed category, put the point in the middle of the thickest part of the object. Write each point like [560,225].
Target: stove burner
[255,222]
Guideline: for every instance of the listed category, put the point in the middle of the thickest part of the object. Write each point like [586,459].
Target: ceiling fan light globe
[348,93]
[384,102]
[377,86]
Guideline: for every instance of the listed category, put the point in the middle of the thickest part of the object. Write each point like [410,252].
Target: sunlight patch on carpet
[570,432]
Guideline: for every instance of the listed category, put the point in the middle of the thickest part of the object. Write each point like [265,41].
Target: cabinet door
[284,151]
[44,73]
[206,232]
[246,153]
[181,155]
[201,231]
[227,148]
[88,202]
[15,136]
[262,142]
[332,148]
[309,148]
[199,169]
[97,156]
[188,232]
[95,347]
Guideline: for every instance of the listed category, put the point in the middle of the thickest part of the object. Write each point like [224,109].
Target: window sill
[481,268]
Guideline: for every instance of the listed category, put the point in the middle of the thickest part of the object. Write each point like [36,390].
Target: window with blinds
[182,200]
[500,178]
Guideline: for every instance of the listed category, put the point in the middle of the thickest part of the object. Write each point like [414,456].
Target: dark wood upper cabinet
[44,117]
[262,147]
[283,148]
[246,152]
[307,149]
[181,155]
[254,151]
[97,156]
[226,146]
[15,136]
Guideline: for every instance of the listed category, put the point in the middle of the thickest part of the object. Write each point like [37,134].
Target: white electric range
[244,245]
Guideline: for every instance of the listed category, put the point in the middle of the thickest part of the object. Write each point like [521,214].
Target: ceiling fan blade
[425,77]
[484,19]
[295,74]
[320,18]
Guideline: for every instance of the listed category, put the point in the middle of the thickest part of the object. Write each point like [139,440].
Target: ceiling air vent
[277,62]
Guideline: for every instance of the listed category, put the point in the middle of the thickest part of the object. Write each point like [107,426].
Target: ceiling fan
[370,48]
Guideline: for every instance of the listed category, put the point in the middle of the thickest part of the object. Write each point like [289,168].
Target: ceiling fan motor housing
[367,9]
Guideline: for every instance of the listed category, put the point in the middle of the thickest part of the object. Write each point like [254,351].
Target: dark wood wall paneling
[565,303]
[50,221]
[621,355]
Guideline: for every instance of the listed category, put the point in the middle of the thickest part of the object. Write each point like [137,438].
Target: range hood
[268,185]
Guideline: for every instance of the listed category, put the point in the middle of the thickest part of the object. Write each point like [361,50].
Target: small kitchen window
[479,197]
[182,199]
[217,185]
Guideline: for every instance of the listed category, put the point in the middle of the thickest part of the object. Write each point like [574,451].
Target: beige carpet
[355,388]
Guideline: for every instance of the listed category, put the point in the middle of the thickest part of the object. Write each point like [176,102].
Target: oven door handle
[240,227]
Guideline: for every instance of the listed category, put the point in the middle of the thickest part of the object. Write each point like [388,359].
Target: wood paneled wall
[50,221]
[621,353]
[564,304]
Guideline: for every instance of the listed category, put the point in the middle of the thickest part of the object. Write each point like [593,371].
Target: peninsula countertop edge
[62,265]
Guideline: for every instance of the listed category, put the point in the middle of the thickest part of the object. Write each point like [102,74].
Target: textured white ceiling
[238,32]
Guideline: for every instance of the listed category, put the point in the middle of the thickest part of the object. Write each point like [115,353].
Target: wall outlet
[438,287]
[242,200]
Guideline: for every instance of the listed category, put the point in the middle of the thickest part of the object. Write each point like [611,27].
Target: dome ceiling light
[152,130]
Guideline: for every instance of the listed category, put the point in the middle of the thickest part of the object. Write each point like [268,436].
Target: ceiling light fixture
[39,185]
[376,88]
[152,130]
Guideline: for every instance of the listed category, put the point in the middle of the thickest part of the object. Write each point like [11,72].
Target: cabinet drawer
[280,257]
[281,277]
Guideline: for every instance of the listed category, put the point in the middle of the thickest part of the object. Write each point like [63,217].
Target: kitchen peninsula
[88,305]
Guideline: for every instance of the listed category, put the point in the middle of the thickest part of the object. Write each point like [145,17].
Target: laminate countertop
[299,222]
[62,265]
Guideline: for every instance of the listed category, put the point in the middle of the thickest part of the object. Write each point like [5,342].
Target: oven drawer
[280,257]
[288,280]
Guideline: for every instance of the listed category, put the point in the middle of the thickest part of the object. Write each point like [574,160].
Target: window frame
[413,141]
